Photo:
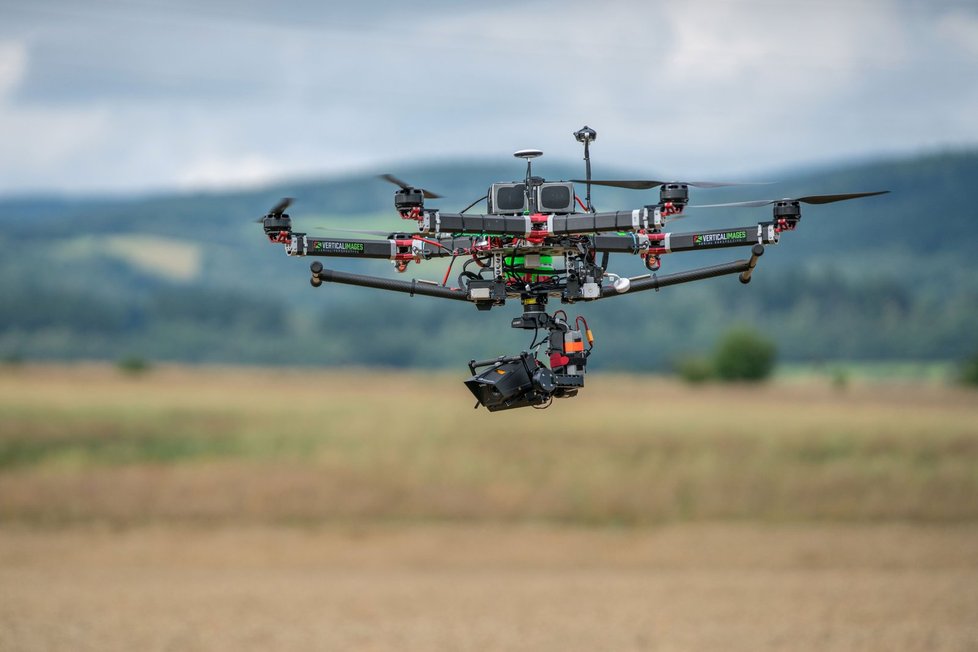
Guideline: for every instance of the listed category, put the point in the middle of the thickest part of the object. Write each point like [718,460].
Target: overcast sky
[135,95]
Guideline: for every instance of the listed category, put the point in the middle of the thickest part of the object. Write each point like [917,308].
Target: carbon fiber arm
[398,248]
[664,243]
[536,225]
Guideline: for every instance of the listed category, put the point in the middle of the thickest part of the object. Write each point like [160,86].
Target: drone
[539,241]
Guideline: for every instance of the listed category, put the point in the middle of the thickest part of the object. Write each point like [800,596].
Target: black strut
[322,275]
[656,282]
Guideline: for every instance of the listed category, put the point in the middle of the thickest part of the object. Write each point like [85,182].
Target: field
[254,509]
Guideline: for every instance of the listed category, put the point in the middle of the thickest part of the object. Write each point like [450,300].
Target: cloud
[13,64]
[221,170]
[122,96]
[960,27]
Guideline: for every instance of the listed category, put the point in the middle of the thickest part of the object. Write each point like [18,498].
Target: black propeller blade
[648,184]
[406,186]
[278,209]
[810,199]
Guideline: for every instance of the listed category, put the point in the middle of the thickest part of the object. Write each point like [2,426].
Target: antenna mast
[587,135]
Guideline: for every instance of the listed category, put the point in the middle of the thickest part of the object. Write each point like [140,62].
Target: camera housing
[510,382]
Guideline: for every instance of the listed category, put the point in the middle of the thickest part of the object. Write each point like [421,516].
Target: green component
[516,265]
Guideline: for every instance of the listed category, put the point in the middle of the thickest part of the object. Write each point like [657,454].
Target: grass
[934,373]
[90,444]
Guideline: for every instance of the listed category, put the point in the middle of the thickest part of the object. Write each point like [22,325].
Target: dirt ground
[493,587]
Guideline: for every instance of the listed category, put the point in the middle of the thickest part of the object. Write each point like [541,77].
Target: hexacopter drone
[538,240]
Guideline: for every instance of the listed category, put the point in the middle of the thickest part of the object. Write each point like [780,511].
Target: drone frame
[509,251]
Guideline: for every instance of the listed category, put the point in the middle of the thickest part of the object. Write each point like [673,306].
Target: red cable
[448,271]
[431,242]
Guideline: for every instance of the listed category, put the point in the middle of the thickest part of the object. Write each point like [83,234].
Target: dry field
[88,444]
[230,509]
[732,587]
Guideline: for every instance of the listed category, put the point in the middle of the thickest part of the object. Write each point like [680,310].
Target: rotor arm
[763,233]
[303,245]
[541,225]
[657,244]
[634,220]
[398,249]
[436,222]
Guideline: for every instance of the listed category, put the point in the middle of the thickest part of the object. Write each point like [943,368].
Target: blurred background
[200,451]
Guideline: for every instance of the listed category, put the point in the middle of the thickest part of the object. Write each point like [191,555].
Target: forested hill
[189,276]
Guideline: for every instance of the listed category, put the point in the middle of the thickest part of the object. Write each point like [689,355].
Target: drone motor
[674,193]
[277,224]
[787,214]
[409,200]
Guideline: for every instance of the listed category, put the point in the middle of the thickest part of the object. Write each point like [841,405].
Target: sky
[130,96]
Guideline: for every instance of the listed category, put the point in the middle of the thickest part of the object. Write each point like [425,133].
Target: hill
[189,277]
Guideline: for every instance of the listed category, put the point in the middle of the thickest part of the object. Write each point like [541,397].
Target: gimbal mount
[509,382]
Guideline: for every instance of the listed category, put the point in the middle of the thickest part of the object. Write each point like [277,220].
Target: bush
[694,369]
[133,365]
[744,355]
[839,378]
[969,371]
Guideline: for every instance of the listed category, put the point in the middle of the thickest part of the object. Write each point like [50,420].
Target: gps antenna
[587,135]
[526,155]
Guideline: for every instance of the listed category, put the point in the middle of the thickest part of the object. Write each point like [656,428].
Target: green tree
[744,354]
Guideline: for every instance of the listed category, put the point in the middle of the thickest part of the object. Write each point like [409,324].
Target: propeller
[648,184]
[406,186]
[277,210]
[810,199]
